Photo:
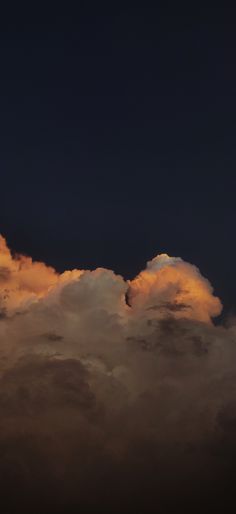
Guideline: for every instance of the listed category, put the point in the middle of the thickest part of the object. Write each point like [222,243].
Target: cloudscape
[114,394]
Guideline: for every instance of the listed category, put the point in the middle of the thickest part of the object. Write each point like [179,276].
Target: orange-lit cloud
[22,281]
[167,284]
[107,384]
[172,284]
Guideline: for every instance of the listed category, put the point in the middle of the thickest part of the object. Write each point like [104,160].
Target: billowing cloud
[114,395]
[21,280]
[168,283]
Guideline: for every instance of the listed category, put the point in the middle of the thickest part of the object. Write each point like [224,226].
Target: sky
[117,138]
[117,259]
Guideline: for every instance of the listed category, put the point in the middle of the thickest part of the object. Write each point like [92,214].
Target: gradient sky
[118,138]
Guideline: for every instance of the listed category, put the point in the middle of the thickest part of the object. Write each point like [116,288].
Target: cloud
[21,280]
[115,395]
[171,284]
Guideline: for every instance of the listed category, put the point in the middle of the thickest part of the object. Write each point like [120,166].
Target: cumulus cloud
[172,284]
[21,280]
[114,394]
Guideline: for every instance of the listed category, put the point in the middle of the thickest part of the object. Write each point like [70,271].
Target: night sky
[118,138]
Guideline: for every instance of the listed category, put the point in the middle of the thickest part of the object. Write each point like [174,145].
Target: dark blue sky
[118,138]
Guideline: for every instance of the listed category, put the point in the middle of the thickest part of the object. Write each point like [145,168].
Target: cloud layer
[114,393]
